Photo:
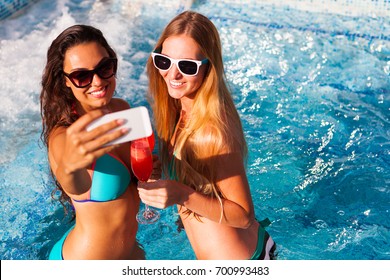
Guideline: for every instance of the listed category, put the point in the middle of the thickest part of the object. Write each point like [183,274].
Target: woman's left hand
[162,193]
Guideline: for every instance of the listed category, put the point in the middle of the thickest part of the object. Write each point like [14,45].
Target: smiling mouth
[175,84]
[99,93]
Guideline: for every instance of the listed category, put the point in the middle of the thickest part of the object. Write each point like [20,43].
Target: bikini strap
[265,223]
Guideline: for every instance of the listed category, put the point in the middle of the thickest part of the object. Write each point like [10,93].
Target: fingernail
[120,121]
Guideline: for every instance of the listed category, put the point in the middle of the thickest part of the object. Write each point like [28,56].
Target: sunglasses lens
[188,67]
[81,78]
[107,69]
[161,62]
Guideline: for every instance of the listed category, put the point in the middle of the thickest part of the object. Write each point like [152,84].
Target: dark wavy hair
[57,100]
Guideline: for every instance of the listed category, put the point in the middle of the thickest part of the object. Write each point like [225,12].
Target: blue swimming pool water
[312,89]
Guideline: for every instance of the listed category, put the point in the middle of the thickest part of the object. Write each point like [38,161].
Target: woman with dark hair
[78,85]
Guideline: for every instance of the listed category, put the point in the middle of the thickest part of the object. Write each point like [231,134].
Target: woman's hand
[83,147]
[163,193]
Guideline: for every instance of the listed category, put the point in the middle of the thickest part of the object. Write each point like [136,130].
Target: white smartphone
[137,121]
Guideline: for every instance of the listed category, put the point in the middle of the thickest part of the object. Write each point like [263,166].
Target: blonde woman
[202,144]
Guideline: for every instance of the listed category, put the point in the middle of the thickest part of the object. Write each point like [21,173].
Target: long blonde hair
[214,128]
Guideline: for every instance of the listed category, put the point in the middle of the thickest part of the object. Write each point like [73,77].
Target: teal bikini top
[110,179]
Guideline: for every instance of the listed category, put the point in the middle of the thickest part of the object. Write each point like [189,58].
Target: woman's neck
[186,106]
[184,116]
[80,110]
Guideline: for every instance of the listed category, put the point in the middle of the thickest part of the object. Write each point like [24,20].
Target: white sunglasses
[187,67]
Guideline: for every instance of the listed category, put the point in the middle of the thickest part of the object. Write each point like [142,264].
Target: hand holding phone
[136,120]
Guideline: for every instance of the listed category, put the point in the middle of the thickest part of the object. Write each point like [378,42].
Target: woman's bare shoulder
[57,139]
[56,135]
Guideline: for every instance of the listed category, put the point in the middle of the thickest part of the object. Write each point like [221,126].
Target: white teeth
[175,84]
[97,92]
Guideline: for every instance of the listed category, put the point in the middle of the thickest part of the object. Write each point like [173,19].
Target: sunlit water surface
[313,95]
